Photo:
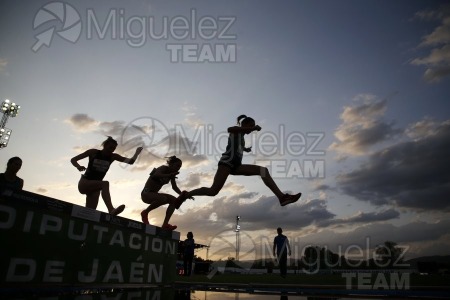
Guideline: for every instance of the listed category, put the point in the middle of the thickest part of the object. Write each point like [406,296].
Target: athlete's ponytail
[240,118]
[109,140]
[245,120]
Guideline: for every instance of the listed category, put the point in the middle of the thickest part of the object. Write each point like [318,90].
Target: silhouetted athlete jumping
[231,164]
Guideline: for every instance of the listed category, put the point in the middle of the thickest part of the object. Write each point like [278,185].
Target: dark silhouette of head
[174,162]
[279,230]
[190,235]
[109,144]
[246,122]
[14,164]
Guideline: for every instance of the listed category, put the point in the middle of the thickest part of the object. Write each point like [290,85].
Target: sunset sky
[352,97]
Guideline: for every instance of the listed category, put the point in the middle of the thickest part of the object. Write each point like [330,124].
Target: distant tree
[388,254]
[231,263]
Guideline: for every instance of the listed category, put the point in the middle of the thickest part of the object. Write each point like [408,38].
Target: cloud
[428,15]
[82,122]
[195,180]
[435,58]
[233,187]
[437,63]
[264,213]
[412,174]
[3,64]
[192,119]
[440,35]
[435,75]
[362,127]
[414,236]
[242,196]
[186,150]
[41,190]
[362,218]
[324,187]
[438,60]
[157,140]
[259,220]
[421,129]
[115,128]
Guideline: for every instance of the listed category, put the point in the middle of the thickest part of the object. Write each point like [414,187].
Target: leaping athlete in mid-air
[231,164]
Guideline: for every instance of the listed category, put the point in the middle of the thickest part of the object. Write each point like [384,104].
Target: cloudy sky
[352,98]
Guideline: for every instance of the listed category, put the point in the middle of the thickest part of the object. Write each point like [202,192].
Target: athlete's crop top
[160,180]
[98,166]
[234,151]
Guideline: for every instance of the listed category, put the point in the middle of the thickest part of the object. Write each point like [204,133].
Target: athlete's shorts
[232,163]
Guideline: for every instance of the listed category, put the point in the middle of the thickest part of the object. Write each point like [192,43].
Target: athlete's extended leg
[252,170]
[219,180]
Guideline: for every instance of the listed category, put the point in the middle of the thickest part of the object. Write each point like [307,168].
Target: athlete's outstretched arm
[175,186]
[129,161]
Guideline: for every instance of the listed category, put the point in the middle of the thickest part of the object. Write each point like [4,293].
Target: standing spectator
[283,249]
[188,255]
[9,180]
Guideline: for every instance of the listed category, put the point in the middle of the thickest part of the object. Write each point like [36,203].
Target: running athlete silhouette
[231,164]
[91,182]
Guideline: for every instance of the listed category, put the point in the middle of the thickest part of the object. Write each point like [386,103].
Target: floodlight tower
[9,110]
[238,239]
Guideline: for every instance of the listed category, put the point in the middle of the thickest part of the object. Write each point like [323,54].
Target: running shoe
[116,211]
[287,199]
[169,227]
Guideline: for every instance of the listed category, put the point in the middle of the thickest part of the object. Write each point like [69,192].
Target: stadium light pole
[238,240]
[9,110]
